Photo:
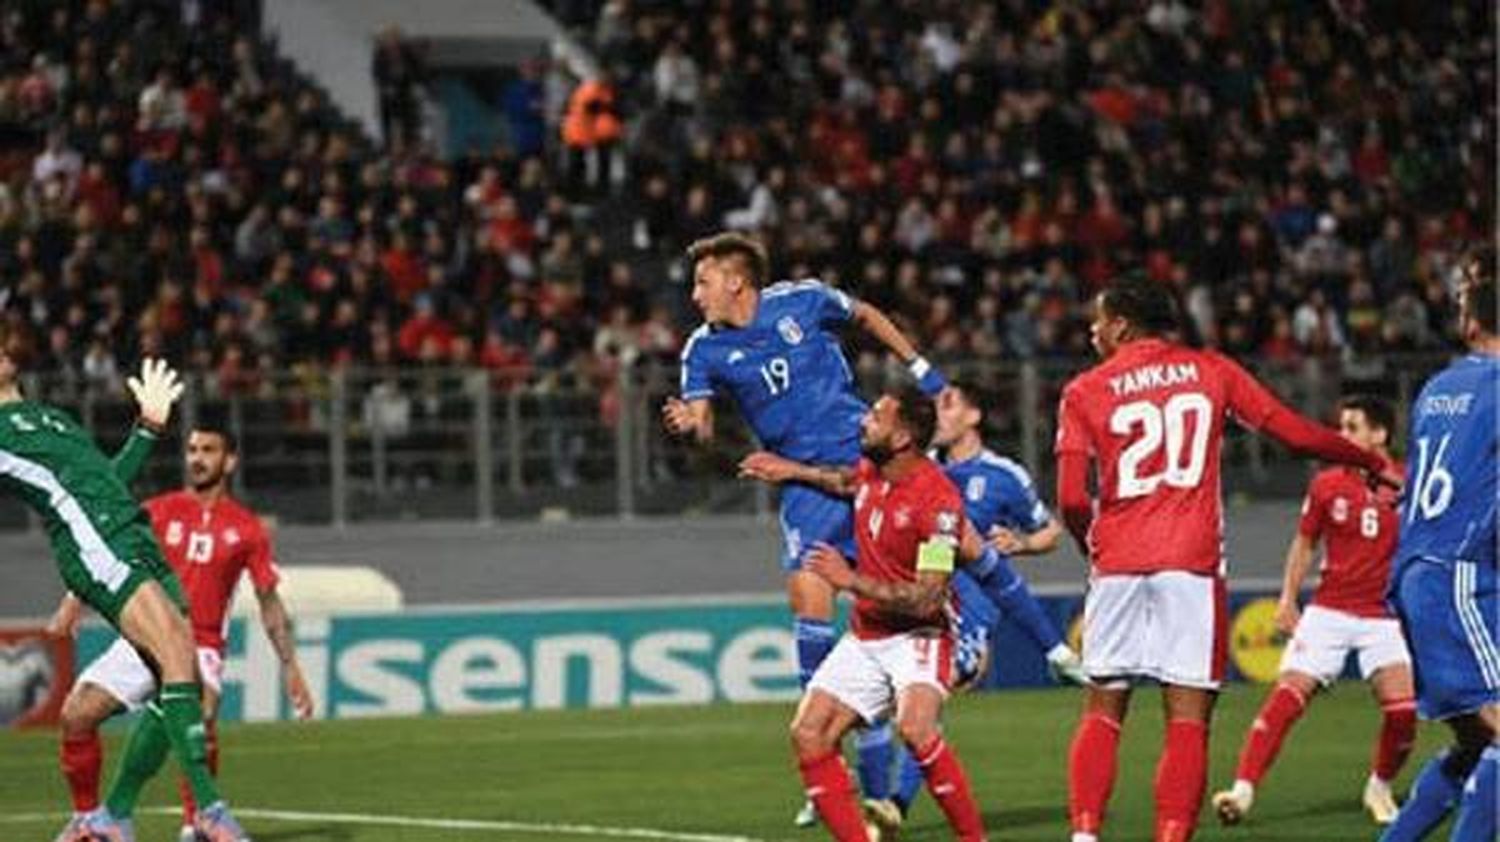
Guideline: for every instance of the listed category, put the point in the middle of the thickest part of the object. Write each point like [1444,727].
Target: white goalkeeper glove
[155,390]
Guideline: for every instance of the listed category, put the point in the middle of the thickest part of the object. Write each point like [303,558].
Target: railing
[347,445]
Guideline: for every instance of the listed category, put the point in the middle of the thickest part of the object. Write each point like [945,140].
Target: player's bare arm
[875,322]
[1014,542]
[1299,557]
[765,466]
[921,598]
[684,418]
[65,620]
[278,626]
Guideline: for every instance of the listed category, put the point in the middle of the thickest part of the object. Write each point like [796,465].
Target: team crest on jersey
[231,536]
[789,330]
[947,523]
[1340,510]
[975,489]
[174,533]
[735,356]
[903,517]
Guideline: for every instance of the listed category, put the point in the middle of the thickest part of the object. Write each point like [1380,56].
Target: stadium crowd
[1303,174]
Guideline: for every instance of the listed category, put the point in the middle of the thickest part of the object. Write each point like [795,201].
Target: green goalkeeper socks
[144,754]
[182,714]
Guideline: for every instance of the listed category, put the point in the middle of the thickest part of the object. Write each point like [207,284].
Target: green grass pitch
[711,773]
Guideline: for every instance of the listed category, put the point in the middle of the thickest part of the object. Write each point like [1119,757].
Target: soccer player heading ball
[1151,417]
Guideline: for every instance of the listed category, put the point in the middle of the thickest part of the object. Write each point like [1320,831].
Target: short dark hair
[1377,411]
[1479,295]
[1146,304]
[970,392]
[751,253]
[917,414]
[215,424]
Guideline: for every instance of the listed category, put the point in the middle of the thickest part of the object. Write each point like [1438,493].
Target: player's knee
[78,716]
[809,739]
[917,732]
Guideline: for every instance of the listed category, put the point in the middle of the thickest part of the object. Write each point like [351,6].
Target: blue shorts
[1448,613]
[809,516]
[976,617]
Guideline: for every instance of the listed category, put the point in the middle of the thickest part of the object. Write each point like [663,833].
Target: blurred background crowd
[1302,174]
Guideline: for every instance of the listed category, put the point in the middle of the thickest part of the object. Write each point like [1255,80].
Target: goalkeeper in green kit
[108,558]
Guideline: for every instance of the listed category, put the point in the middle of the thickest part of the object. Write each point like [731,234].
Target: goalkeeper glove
[155,390]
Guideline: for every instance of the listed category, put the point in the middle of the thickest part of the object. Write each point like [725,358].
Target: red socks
[1181,776]
[81,759]
[950,788]
[1398,731]
[831,790]
[1091,770]
[211,745]
[1282,710]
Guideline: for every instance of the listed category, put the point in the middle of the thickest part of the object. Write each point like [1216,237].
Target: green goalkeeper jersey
[101,537]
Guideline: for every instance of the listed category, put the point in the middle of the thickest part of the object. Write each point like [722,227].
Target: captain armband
[936,555]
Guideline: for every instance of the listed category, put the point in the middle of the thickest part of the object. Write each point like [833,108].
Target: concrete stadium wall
[438,563]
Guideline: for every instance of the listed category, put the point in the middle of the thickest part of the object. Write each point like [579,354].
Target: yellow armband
[936,556]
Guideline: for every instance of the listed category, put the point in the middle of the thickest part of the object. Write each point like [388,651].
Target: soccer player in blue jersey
[1443,584]
[774,349]
[1001,501]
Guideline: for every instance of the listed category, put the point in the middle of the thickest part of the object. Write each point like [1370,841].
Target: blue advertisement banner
[593,654]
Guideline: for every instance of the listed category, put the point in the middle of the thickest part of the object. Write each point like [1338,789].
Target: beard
[879,453]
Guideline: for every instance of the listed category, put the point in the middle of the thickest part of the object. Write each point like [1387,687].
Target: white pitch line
[433,824]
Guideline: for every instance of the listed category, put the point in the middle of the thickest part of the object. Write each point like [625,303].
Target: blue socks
[1433,794]
[1476,810]
[1008,590]
[909,781]
[876,753]
[815,640]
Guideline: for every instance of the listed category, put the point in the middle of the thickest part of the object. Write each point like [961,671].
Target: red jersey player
[1151,416]
[210,540]
[1348,613]
[908,519]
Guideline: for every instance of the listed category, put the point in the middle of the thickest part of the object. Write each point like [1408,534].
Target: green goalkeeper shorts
[105,578]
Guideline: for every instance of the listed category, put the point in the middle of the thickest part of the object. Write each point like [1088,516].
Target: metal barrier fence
[346,445]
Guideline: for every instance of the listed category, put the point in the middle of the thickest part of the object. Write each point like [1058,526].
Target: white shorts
[869,675]
[1325,637]
[1168,627]
[122,673]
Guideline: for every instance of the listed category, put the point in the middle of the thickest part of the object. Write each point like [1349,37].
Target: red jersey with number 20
[209,547]
[892,521]
[1359,530]
[1152,416]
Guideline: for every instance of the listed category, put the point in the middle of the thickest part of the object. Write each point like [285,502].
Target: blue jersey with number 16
[1450,507]
[785,371]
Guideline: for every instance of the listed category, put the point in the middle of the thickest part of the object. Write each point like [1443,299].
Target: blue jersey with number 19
[1450,507]
[785,371]
[788,376]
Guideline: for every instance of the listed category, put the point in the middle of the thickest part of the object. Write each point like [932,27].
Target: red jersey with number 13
[209,547]
[892,520]
[1152,416]
[1358,527]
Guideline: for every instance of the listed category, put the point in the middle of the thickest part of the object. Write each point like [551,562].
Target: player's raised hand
[830,564]
[765,466]
[296,690]
[156,389]
[1287,616]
